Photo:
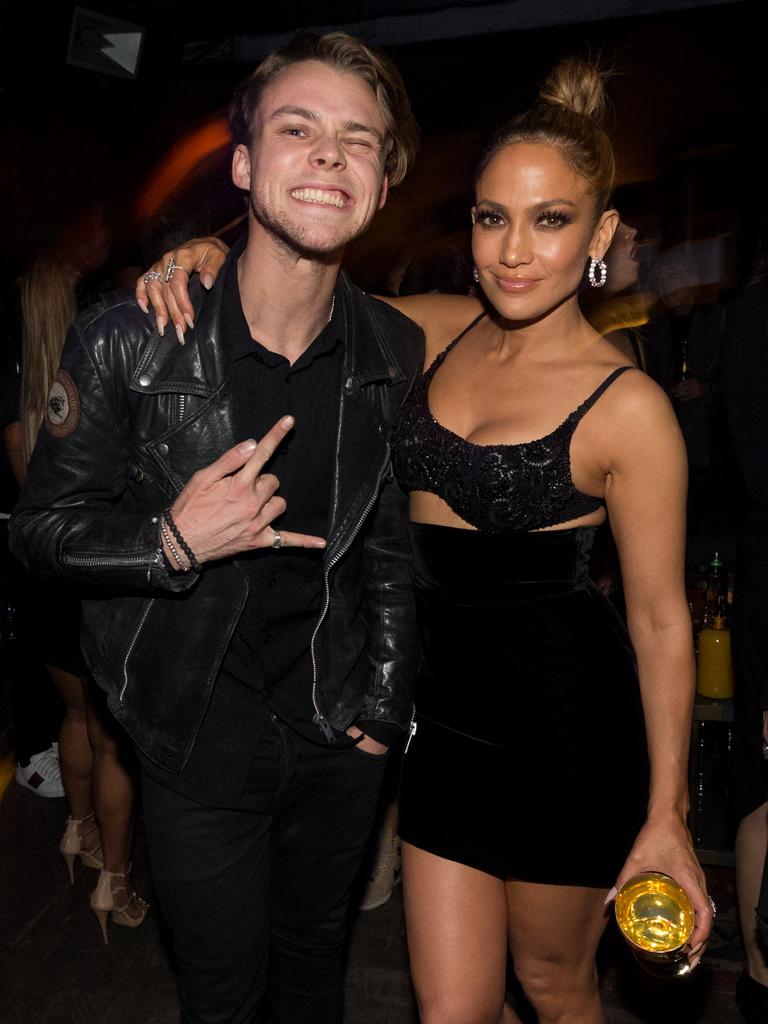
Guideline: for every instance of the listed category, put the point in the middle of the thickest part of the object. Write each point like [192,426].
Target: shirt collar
[238,343]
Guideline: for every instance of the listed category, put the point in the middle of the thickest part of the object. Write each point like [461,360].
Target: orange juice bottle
[714,668]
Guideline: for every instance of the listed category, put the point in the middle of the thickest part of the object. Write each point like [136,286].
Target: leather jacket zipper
[413,725]
[131,645]
[319,718]
[118,561]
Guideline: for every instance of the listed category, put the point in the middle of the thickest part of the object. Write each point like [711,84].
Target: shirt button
[145,380]
[163,448]
[348,384]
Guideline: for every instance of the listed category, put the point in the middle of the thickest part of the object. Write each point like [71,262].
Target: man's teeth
[316,195]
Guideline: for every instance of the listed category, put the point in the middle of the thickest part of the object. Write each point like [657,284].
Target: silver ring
[171,269]
[277,543]
[712,904]
[152,275]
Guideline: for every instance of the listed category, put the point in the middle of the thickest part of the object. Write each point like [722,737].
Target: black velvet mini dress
[527,755]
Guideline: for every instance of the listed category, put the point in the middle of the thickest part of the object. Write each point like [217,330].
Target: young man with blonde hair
[249,608]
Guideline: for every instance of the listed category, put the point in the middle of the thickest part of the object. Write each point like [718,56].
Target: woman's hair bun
[576,85]
[569,117]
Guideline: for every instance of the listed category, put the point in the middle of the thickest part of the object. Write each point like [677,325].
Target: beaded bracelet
[168,516]
[171,546]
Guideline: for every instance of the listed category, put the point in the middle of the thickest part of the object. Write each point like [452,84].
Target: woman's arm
[170,299]
[646,473]
[441,317]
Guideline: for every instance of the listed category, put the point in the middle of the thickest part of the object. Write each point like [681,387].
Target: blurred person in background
[95,761]
[682,346]
[621,304]
[745,387]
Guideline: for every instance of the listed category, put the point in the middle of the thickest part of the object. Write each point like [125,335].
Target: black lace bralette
[494,487]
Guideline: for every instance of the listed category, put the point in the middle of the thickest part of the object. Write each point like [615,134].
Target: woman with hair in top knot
[547,759]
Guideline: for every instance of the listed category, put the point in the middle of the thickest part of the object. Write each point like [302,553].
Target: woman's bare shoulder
[637,408]
[436,312]
[441,317]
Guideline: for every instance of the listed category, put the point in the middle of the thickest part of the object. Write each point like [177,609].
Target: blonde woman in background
[98,785]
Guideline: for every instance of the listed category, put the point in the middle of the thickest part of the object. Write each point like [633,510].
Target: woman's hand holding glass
[664,845]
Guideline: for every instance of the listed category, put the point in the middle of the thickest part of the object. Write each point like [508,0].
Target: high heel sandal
[71,845]
[103,901]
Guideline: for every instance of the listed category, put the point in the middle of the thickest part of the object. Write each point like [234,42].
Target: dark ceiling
[72,135]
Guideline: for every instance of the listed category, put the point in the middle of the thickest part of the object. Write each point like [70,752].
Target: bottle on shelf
[731,591]
[717,587]
[695,626]
[714,666]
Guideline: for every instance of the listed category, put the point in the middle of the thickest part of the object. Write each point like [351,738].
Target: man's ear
[383,193]
[241,167]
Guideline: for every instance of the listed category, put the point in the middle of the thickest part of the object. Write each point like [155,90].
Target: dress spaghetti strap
[437,361]
[587,404]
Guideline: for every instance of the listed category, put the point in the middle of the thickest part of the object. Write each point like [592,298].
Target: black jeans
[266,885]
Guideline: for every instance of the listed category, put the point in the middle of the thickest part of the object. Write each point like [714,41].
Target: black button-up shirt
[270,650]
[268,666]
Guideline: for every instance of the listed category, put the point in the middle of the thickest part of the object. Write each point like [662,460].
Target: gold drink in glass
[655,916]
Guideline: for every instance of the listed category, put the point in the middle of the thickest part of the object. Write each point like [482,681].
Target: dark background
[688,113]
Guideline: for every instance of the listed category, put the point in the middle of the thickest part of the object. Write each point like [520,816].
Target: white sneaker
[42,775]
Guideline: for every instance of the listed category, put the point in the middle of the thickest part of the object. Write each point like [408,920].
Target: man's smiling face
[315,167]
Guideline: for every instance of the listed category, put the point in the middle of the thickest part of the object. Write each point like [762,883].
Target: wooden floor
[54,968]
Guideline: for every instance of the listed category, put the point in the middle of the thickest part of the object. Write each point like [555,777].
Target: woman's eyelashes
[488,218]
[548,219]
[553,218]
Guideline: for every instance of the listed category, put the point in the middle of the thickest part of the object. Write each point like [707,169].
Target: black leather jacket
[151,413]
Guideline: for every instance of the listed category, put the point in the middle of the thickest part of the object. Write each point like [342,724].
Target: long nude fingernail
[161,326]
[207,281]
[143,305]
[611,896]
[190,321]
[180,334]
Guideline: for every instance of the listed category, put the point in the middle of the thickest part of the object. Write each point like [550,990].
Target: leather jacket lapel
[369,372]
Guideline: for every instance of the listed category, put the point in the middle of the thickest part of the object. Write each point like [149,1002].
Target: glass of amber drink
[655,916]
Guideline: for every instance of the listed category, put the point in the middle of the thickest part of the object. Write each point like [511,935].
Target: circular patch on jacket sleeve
[62,410]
